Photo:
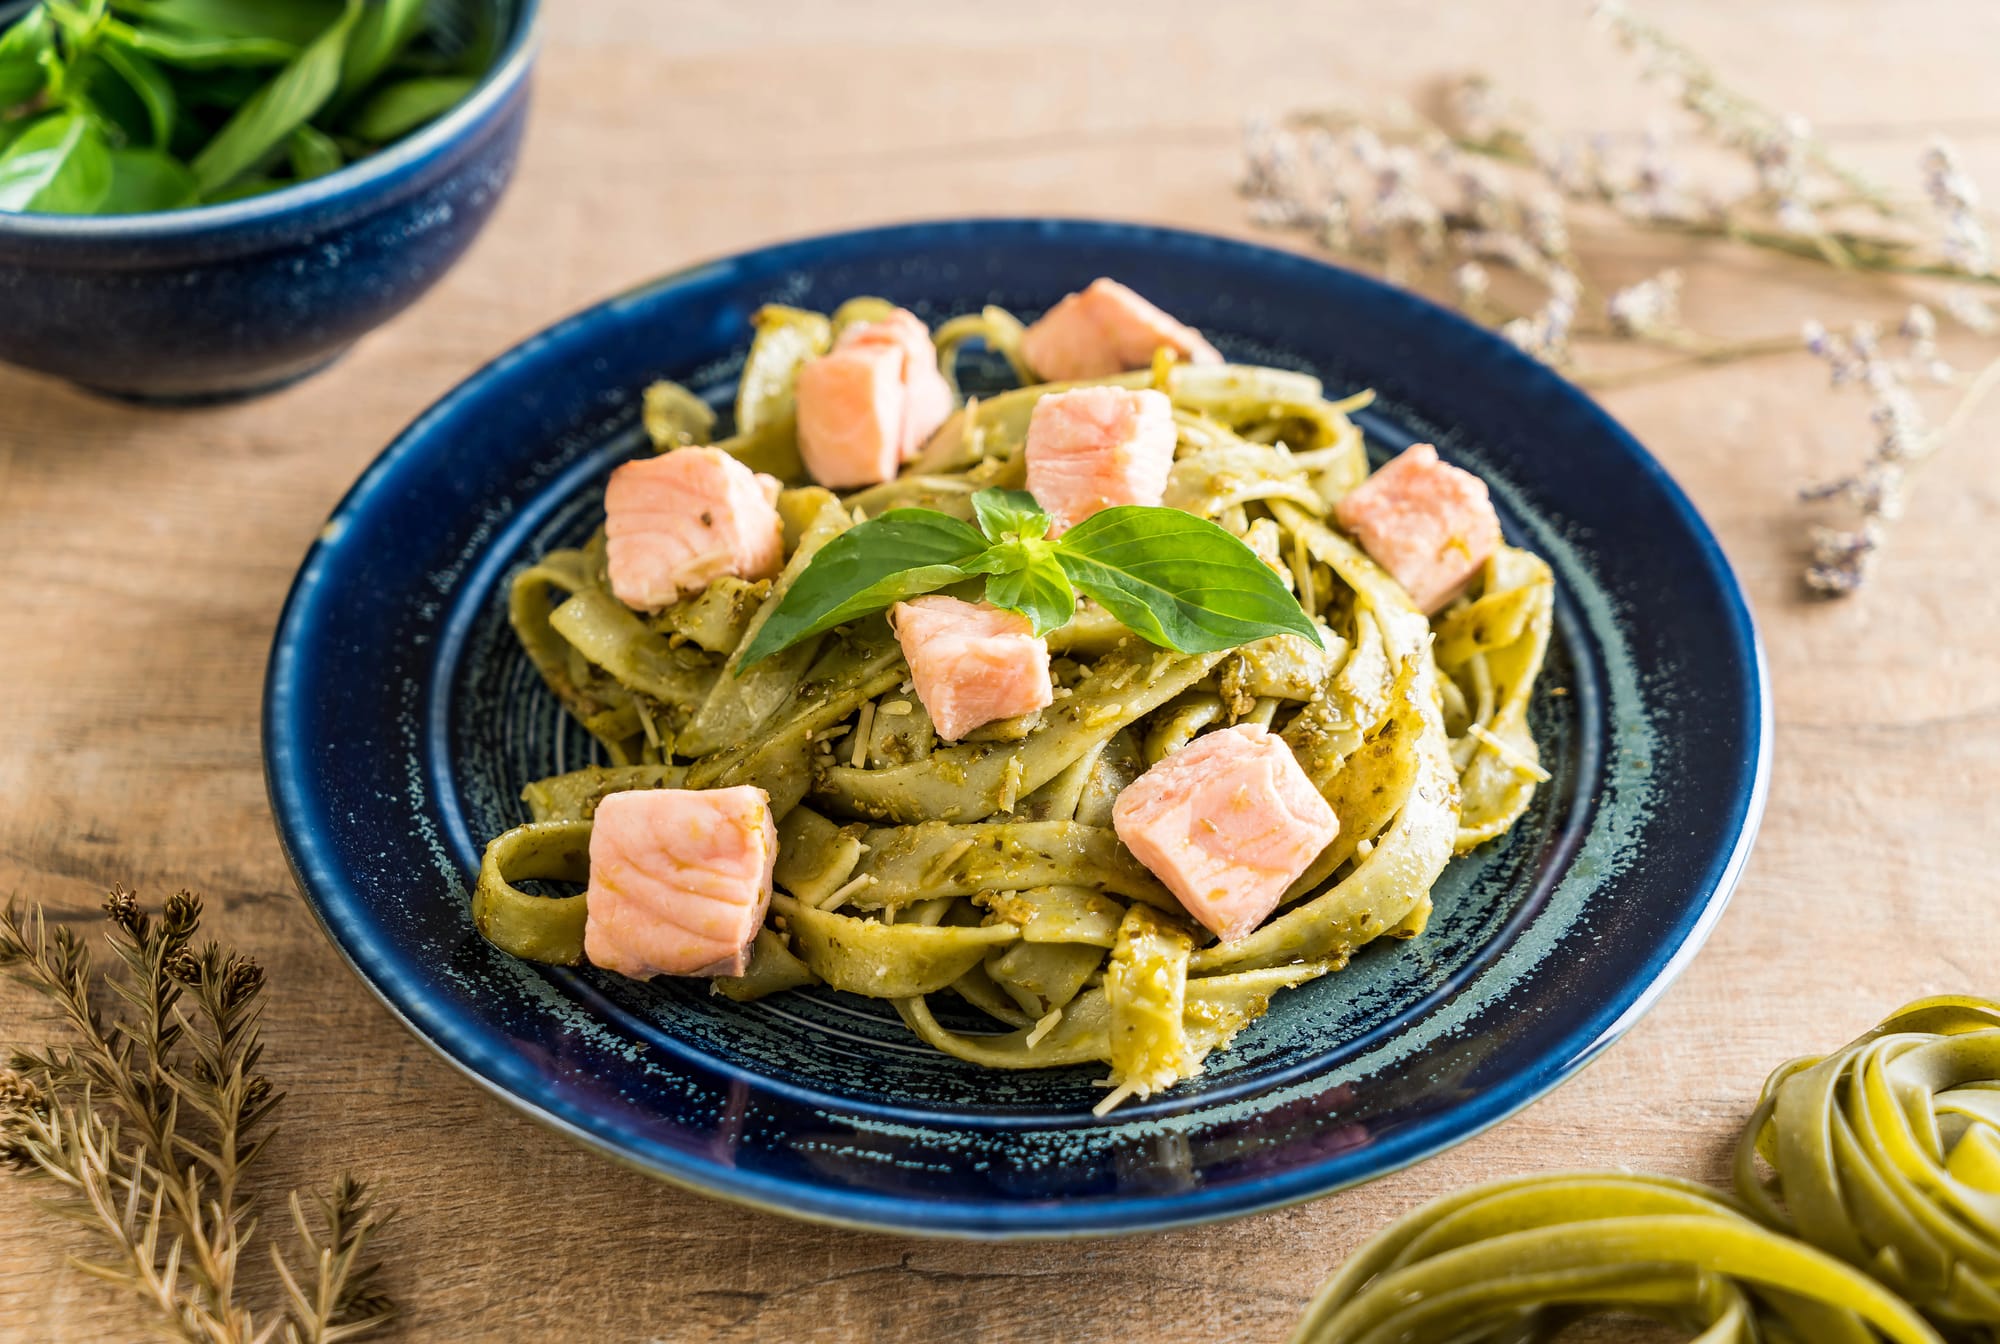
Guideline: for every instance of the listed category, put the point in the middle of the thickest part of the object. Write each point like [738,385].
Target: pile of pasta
[909,868]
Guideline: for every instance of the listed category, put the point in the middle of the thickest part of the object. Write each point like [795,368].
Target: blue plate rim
[942,1217]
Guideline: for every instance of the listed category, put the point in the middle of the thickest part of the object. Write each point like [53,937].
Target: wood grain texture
[146,555]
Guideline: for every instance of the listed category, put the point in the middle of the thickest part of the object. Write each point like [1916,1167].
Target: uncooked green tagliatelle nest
[909,868]
[1886,1153]
[1867,1208]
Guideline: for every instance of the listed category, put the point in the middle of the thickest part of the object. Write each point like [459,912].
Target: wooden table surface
[146,555]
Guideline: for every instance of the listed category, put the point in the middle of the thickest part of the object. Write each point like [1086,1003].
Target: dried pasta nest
[1868,1198]
[1886,1153]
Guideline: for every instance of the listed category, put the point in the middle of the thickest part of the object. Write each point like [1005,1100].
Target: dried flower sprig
[1904,439]
[149,1119]
[1480,206]
[1781,147]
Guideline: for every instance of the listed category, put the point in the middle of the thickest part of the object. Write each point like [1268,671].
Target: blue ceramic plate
[400,722]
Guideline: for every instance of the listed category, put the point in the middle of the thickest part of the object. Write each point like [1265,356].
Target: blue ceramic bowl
[401,719]
[232,300]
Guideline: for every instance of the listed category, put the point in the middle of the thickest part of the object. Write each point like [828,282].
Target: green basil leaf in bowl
[146,180]
[288,102]
[394,110]
[23,47]
[60,164]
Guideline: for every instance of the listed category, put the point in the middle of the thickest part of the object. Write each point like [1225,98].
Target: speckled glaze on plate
[400,722]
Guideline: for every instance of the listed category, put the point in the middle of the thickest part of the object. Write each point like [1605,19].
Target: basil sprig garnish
[1174,579]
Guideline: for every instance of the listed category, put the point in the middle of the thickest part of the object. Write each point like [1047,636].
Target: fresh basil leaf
[59,166]
[1005,512]
[293,22]
[288,102]
[1011,554]
[25,47]
[394,110]
[1178,580]
[90,85]
[243,188]
[198,51]
[215,90]
[77,21]
[385,28]
[313,153]
[1038,590]
[147,180]
[147,81]
[466,33]
[872,565]
[11,130]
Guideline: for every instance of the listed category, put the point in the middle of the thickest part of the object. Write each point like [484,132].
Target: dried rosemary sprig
[1481,206]
[149,1119]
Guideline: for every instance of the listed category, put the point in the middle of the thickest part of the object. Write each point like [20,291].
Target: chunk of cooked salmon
[868,405]
[1107,329]
[1428,523]
[678,522]
[1228,822]
[679,880]
[928,395]
[972,663]
[1093,447]
[851,415]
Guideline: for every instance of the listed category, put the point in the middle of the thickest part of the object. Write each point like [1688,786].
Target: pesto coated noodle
[910,868]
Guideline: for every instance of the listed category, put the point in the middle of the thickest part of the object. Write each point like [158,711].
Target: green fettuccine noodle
[988,869]
[540,928]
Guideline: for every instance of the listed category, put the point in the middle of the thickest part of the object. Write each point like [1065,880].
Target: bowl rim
[509,69]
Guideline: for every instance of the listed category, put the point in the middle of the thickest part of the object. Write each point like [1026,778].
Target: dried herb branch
[149,1119]
[1481,206]
[340,1302]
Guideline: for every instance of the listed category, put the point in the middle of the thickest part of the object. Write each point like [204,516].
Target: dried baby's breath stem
[150,1118]
[1482,207]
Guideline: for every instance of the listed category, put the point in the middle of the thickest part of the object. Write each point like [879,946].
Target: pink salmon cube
[1228,822]
[1428,523]
[868,405]
[1107,329]
[1094,447]
[972,664]
[678,522]
[679,880]
[927,395]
